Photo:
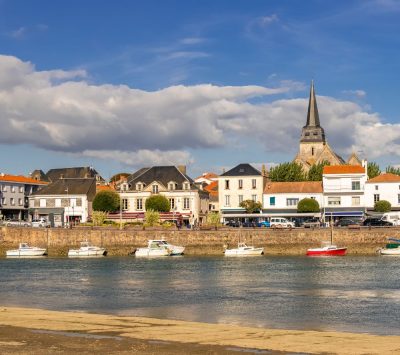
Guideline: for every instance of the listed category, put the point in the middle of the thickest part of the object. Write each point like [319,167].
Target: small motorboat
[392,248]
[244,250]
[25,250]
[87,250]
[327,249]
[159,248]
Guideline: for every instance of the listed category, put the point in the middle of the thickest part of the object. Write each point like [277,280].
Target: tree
[99,217]
[251,206]
[315,172]
[393,170]
[307,205]
[373,170]
[152,218]
[214,219]
[158,203]
[106,201]
[287,172]
[382,206]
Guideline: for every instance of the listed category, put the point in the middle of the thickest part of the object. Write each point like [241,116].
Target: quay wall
[363,241]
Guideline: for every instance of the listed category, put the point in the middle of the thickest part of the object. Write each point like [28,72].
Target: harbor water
[356,294]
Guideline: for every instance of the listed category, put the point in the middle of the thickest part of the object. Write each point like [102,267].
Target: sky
[119,85]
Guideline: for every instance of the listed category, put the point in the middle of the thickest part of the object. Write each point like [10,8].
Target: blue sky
[123,84]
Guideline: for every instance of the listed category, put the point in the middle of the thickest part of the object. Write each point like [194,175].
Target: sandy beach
[25,330]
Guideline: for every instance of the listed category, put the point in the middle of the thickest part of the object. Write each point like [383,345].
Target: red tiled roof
[212,188]
[387,177]
[104,188]
[293,187]
[207,176]
[21,179]
[343,169]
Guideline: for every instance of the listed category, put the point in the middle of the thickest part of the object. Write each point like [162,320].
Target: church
[314,148]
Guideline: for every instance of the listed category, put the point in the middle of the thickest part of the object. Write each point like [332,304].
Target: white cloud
[267,20]
[58,110]
[18,33]
[357,93]
[192,40]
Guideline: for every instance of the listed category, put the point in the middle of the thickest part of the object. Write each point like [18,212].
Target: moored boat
[392,248]
[87,250]
[159,247]
[327,249]
[244,250]
[24,250]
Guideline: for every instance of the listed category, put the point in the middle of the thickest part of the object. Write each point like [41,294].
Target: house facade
[14,195]
[383,187]
[186,199]
[343,189]
[64,202]
[282,198]
[243,182]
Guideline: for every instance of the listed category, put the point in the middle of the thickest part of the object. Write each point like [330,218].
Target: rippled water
[359,294]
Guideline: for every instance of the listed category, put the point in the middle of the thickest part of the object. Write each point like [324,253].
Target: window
[12,201]
[186,186]
[139,187]
[226,184]
[20,202]
[73,202]
[376,197]
[227,200]
[398,199]
[240,199]
[376,187]
[58,202]
[355,200]
[155,189]
[21,189]
[171,186]
[254,183]
[312,151]
[292,201]
[240,184]
[172,203]
[334,201]
[12,188]
[139,204]
[3,201]
[124,204]
[272,201]
[42,202]
[186,203]
[313,197]
[355,185]
[254,198]
[4,188]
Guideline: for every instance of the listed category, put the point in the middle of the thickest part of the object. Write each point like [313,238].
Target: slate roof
[343,169]
[82,172]
[387,177]
[293,187]
[242,170]
[74,187]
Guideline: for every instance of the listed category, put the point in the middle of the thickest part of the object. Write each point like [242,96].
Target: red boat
[327,250]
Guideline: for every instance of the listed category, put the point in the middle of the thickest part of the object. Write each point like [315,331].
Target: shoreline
[176,336]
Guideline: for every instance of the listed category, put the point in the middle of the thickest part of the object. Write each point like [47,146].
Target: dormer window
[155,189]
[139,186]
[186,186]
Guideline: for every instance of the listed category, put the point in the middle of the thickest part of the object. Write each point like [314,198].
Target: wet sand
[34,331]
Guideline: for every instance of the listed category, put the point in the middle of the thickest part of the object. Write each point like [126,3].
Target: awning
[345,214]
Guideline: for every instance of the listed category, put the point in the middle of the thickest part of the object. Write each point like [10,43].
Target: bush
[382,206]
[106,201]
[152,218]
[251,206]
[157,203]
[214,219]
[308,205]
[99,217]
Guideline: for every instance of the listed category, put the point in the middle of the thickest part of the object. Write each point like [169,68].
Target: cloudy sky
[125,84]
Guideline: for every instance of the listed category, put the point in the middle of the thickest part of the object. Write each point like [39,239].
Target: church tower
[314,148]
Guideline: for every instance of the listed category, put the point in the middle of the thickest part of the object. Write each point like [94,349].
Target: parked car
[376,222]
[345,222]
[16,223]
[249,224]
[264,224]
[280,222]
[232,223]
[311,223]
[40,223]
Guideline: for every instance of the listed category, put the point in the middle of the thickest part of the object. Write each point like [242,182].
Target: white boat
[25,250]
[392,248]
[87,250]
[159,248]
[244,250]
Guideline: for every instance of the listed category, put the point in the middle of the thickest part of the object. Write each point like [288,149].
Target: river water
[357,294]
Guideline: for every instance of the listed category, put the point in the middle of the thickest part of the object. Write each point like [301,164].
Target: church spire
[312,114]
[312,131]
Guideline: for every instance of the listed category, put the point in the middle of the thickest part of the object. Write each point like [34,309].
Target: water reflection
[349,294]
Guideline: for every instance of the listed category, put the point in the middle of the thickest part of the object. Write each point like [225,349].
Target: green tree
[99,217]
[214,219]
[382,206]
[373,170]
[251,206]
[393,170]
[315,172]
[152,218]
[106,201]
[158,203]
[307,205]
[287,172]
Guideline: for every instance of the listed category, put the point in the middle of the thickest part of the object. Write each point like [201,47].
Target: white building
[343,188]
[383,187]
[243,182]
[186,199]
[282,198]
[206,178]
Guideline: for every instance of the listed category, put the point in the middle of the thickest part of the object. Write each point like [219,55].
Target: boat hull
[34,252]
[245,252]
[76,253]
[326,252]
[146,252]
[394,251]
[176,250]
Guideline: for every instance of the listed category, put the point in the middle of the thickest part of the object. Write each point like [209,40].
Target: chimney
[182,169]
[364,164]
[263,170]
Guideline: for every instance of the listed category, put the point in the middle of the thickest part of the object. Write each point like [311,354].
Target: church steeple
[312,131]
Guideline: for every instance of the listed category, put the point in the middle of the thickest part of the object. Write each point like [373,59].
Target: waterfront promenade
[45,328]
[363,241]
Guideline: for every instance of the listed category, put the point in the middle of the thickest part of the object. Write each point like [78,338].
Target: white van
[392,217]
[280,222]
